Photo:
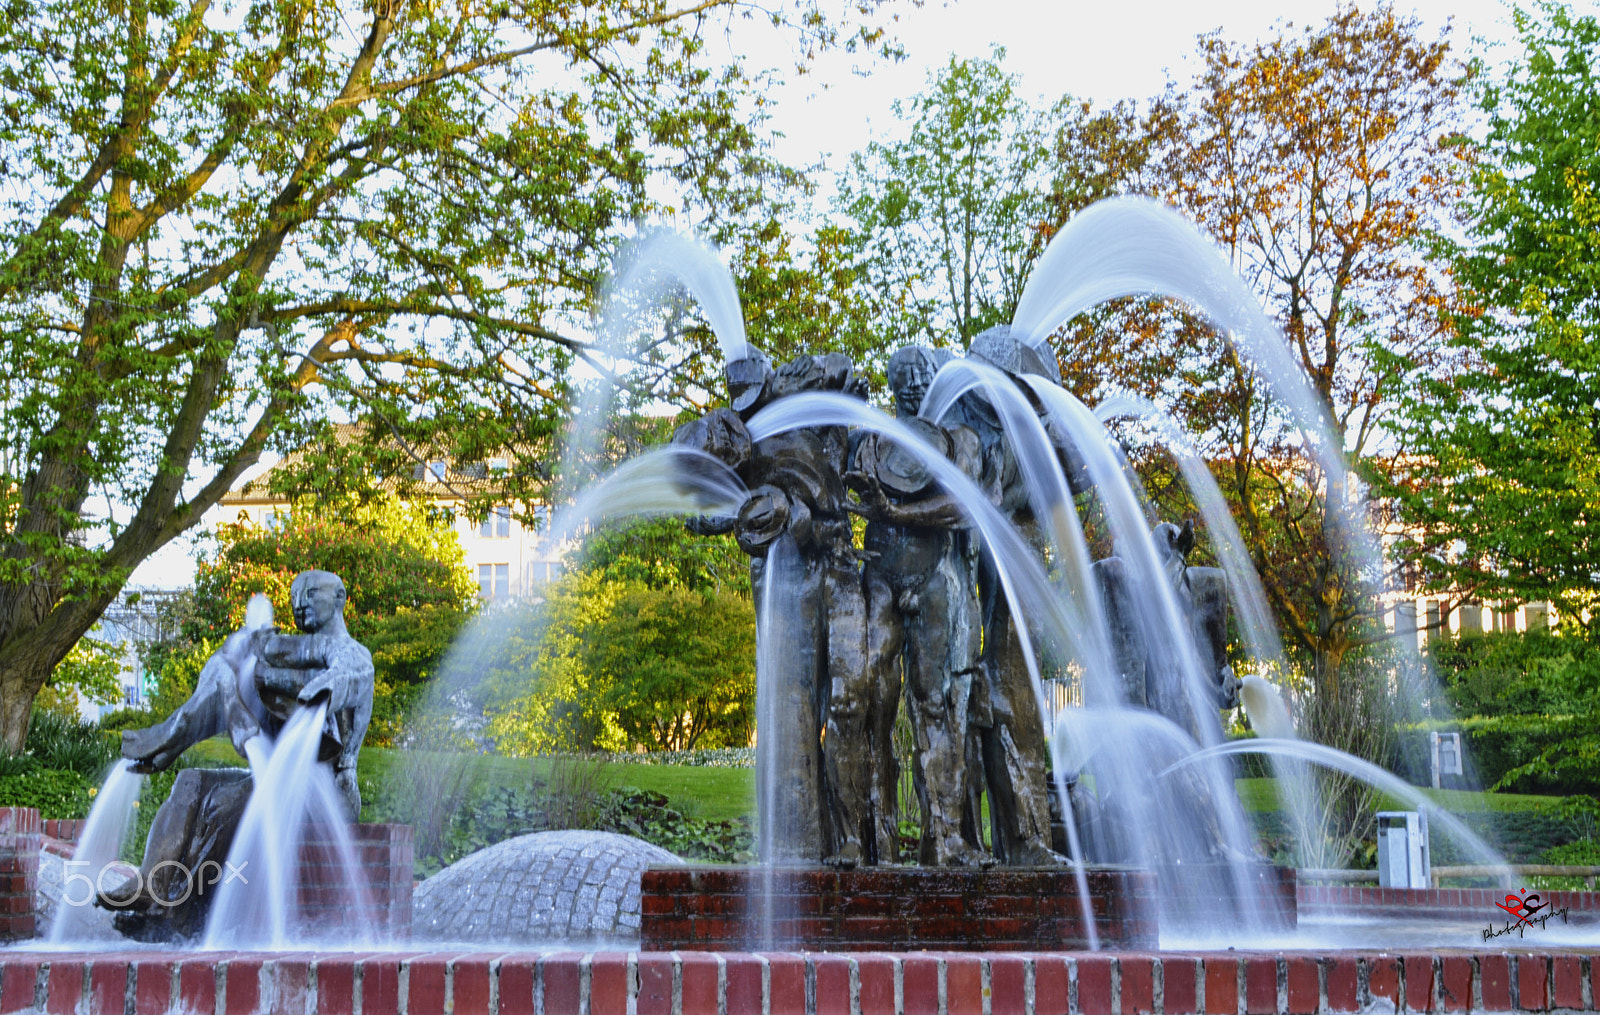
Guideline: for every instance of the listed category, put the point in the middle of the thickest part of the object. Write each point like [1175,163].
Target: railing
[1540,870]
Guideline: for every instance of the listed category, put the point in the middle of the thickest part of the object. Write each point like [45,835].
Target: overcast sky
[1094,50]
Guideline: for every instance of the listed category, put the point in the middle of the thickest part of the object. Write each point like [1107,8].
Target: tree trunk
[19,684]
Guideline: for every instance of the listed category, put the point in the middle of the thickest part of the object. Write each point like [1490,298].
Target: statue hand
[332,686]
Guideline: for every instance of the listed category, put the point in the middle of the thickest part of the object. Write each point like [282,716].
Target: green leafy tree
[650,641]
[677,667]
[409,592]
[946,221]
[1515,438]
[1322,162]
[222,226]
[537,692]
[92,671]
[660,553]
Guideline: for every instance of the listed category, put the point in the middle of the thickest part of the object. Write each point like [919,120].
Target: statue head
[996,347]
[317,598]
[911,371]
[748,381]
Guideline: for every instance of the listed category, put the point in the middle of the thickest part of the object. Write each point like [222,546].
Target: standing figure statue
[796,493]
[1007,749]
[922,628]
[248,688]
[1157,683]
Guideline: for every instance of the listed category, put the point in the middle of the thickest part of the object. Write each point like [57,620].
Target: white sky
[1093,50]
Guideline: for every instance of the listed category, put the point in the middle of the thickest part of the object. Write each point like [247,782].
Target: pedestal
[722,908]
[20,837]
[384,854]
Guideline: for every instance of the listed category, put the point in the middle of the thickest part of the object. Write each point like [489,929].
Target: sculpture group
[917,610]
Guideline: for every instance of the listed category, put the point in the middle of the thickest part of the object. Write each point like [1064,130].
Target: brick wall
[20,837]
[891,908]
[709,983]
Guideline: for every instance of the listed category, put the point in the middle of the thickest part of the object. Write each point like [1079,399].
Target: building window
[499,466]
[494,581]
[496,524]
[437,471]
[543,572]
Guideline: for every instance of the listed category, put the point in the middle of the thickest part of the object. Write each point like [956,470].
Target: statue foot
[1036,854]
[848,857]
[961,854]
[121,896]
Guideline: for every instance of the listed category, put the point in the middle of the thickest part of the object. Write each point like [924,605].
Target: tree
[92,670]
[221,227]
[1516,436]
[946,221]
[660,553]
[649,641]
[1321,163]
[409,592]
[677,667]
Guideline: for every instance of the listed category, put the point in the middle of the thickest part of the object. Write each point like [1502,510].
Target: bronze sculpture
[248,688]
[796,493]
[923,629]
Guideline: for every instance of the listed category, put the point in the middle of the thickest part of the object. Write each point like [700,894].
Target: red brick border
[717,908]
[705,983]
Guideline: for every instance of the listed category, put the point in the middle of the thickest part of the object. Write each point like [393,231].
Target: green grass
[1261,795]
[710,794]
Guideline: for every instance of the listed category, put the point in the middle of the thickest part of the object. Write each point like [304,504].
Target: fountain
[1099,862]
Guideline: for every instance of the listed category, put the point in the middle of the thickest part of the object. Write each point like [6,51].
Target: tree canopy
[1514,505]
[409,591]
[225,224]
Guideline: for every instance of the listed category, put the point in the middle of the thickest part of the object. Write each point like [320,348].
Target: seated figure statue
[248,688]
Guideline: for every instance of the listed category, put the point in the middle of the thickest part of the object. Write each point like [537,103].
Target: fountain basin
[620,982]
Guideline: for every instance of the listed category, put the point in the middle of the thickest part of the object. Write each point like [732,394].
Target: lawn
[1261,795]
[710,794]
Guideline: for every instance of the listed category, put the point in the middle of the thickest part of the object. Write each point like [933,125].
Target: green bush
[127,719]
[70,745]
[55,793]
[1533,673]
[1497,745]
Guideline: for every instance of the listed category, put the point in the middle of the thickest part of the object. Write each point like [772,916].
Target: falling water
[1368,773]
[1249,599]
[777,634]
[99,846]
[669,255]
[293,795]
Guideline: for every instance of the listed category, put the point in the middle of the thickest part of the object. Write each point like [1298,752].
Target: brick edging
[730,983]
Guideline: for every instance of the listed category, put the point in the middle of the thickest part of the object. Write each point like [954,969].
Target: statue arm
[346,681]
[202,717]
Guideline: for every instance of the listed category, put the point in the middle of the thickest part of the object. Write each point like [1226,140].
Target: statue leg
[1014,759]
[185,856]
[885,643]
[848,747]
[937,701]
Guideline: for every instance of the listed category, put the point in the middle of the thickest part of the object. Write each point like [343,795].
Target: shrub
[128,719]
[1502,749]
[56,793]
[70,745]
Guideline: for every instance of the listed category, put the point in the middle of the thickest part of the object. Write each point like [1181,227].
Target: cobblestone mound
[540,889]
